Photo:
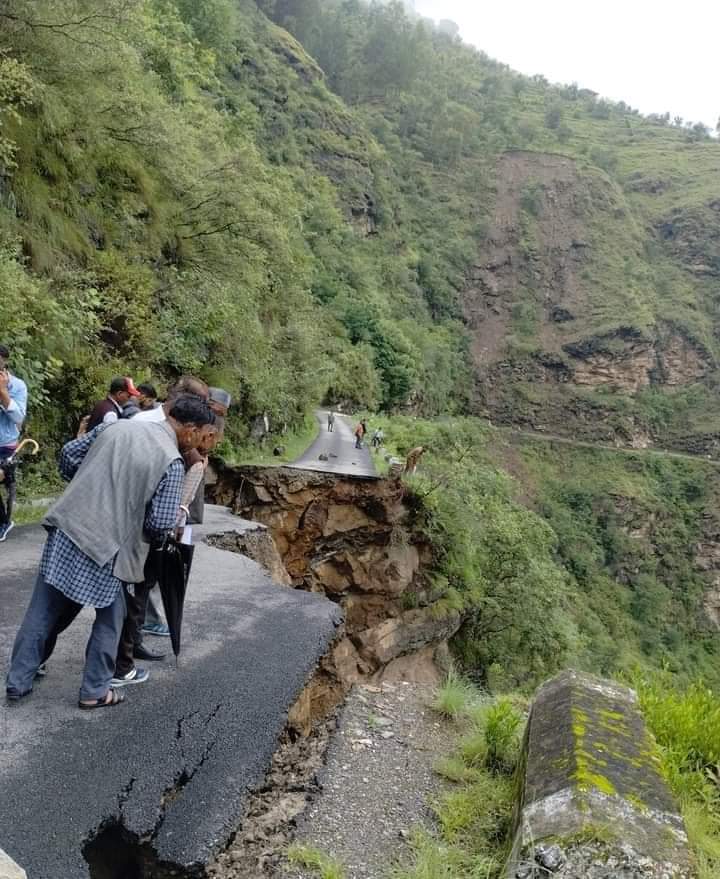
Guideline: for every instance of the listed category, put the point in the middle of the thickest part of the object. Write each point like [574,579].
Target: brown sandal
[115,699]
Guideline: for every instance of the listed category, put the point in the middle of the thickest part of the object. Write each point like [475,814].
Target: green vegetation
[581,557]
[294,441]
[687,727]
[315,860]
[298,201]
[474,818]
[187,194]
[454,697]
[287,198]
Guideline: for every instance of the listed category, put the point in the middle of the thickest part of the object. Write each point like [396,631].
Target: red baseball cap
[130,387]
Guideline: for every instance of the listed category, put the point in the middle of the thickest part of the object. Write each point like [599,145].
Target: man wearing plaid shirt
[125,487]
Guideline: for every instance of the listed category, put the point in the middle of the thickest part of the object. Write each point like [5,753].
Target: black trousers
[137,604]
[131,635]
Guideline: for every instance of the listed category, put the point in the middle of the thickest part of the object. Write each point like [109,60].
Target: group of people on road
[378,438]
[360,432]
[135,472]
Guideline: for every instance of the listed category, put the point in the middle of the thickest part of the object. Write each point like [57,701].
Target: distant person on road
[13,408]
[413,459]
[331,422]
[125,489]
[360,431]
[110,410]
[378,438]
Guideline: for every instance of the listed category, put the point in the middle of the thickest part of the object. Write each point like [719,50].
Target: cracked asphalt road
[175,761]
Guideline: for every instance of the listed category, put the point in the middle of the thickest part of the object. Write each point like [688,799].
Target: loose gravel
[378,781]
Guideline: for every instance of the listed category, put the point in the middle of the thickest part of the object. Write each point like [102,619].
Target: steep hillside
[591,290]
[181,192]
[561,556]
[326,199]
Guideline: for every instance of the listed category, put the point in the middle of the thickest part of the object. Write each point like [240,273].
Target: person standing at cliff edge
[13,408]
[125,488]
[186,384]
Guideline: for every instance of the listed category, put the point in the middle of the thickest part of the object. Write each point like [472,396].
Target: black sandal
[115,699]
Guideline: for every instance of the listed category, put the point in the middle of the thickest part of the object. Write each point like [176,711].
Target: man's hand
[2,475]
[192,457]
[82,430]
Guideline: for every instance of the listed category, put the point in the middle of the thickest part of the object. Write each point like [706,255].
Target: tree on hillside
[16,91]
[553,116]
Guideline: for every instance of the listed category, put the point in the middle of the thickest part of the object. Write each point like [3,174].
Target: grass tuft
[456,697]
[313,859]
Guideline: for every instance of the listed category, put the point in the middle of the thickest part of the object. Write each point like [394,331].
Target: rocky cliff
[356,542]
[570,321]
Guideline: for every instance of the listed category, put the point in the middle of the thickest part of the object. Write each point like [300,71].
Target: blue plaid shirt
[76,575]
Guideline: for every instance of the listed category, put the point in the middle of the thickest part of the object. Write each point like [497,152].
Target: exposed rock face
[689,234]
[407,633]
[590,768]
[623,360]
[544,331]
[707,560]
[257,545]
[353,540]
[505,263]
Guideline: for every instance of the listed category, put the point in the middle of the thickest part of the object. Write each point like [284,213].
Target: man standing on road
[360,431]
[186,384]
[109,410]
[331,421]
[219,400]
[13,408]
[125,488]
[131,645]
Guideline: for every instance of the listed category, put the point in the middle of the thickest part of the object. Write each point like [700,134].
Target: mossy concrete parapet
[590,774]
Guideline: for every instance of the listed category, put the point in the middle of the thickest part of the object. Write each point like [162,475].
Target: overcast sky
[655,55]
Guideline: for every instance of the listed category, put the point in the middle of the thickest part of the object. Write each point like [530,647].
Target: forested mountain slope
[591,234]
[181,191]
[367,210]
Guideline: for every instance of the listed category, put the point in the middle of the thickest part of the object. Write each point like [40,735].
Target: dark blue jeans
[5,452]
[50,613]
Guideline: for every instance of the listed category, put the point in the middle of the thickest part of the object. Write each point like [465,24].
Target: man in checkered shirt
[125,485]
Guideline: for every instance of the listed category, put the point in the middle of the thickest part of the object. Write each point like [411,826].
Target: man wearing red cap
[110,409]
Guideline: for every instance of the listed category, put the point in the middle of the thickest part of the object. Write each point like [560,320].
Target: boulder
[411,631]
[419,668]
[592,800]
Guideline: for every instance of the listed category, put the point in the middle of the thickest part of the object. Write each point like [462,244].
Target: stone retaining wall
[592,802]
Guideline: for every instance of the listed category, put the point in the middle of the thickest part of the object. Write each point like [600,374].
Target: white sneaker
[134,676]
